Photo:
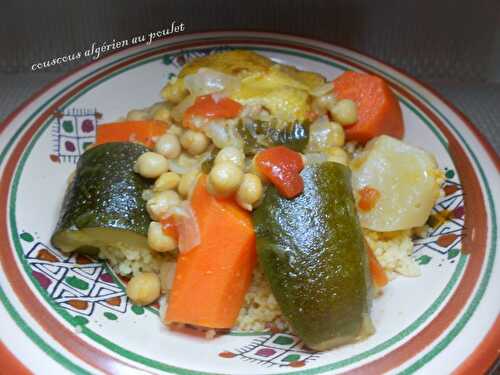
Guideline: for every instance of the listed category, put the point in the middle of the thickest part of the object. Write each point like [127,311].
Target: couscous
[256,196]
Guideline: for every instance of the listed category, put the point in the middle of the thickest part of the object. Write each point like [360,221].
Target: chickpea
[337,154]
[159,205]
[144,288]
[151,165]
[158,240]
[324,134]
[232,154]
[168,145]
[162,114]
[344,112]
[167,181]
[174,91]
[250,191]
[321,103]
[138,115]
[194,142]
[225,178]
[187,182]
[175,130]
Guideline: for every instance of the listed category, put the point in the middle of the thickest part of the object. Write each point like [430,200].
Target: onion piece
[178,111]
[187,227]
[207,81]
[323,89]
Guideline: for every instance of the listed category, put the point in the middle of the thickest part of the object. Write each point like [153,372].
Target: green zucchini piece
[103,204]
[257,135]
[312,252]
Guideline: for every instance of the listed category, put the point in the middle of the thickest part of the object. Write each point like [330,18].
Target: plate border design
[314,51]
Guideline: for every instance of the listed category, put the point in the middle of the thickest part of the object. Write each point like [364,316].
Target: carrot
[368,198]
[212,279]
[206,106]
[378,109]
[379,276]
[282,166]
[131,131]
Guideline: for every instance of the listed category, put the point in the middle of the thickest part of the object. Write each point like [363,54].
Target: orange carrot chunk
[378,109]
[206,106]
[131,131]
[379,276]
[211,280]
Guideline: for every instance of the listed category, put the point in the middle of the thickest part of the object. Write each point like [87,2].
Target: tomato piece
[206,106]
[169,227]
[368,198]
[282,167]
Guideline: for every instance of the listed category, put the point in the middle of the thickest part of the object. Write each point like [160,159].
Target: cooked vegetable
[336,154]
[161,113]
[138,115]
[160,203]
[144,288]
[257,135]
[377,108]
[249,192]
[187,182]
[166,181]
[282,89]
[208,107]
[312,252]
[131,131]
[379,276]
[151,165]
[344,112]
[282,167]
[168,145]
[207,81]
[325,134]
[406,179]
[158,240]
[103,205]
[169,227]
[194,142]
[225,178]
[211,280]
[368,198]
[187,228]
[231,154]
[167,271]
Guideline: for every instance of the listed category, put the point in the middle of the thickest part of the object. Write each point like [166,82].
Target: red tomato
[282,167]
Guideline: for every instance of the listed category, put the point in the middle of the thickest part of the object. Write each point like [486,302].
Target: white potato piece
[407,179]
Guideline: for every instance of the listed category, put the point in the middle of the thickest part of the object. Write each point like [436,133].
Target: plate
[63,313]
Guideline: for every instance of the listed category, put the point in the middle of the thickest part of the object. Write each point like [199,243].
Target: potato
[407,179]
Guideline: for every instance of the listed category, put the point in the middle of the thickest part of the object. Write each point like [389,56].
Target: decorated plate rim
[255,39]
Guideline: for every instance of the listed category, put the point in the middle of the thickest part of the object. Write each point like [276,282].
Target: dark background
[452,45]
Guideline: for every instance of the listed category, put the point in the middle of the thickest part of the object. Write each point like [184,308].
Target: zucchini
[103,204]
[312,251]
[257,135]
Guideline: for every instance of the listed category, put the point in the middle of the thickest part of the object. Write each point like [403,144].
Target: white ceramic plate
[71,314]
